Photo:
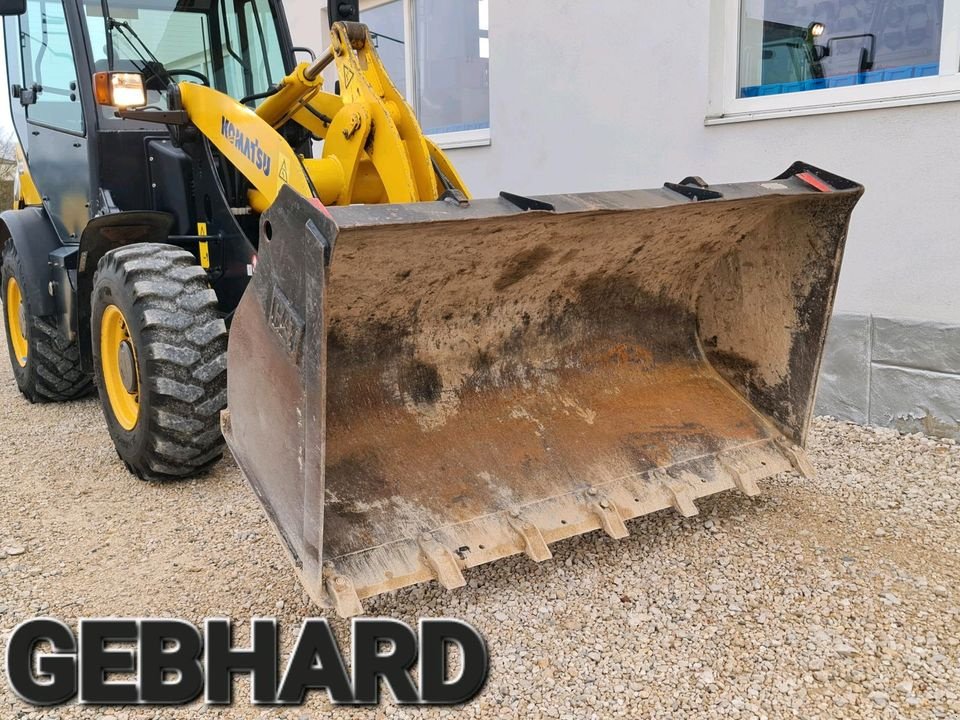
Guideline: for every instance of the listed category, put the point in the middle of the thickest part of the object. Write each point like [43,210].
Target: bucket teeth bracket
[679,491]
[694,188]
[342,592]
[610,518]
[534,545]
[797,457]
[442,561]
[527,203]
[742,474]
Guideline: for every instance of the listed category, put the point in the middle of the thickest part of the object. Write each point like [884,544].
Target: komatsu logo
[250,148]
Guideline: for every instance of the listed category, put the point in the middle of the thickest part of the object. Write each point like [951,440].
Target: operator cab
[88,161]
[240,47]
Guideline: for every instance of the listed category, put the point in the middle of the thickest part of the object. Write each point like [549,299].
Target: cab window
[49,69]
[230,45]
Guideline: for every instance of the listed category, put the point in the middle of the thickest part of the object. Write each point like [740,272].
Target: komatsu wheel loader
[414,382]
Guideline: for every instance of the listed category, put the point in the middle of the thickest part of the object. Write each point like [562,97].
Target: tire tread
[183,336]
[57,375]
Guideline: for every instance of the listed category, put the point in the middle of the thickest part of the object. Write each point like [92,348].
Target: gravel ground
[838,597]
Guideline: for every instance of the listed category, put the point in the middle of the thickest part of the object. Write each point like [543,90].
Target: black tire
[51,371]
[180,344]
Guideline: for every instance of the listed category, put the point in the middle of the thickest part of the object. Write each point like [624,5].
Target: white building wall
[308,24]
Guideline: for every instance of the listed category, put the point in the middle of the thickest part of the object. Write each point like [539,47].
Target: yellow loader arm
[374,150]
[258,151]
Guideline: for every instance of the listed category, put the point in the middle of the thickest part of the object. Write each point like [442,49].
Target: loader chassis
[417,382]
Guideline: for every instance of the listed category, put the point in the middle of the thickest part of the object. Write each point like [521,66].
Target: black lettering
[435,636]
[96,661]
[223,661]
[394,667]
[60,666]
[156,661]
[316,663]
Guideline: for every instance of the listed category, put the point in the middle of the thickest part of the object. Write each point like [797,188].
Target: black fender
[101,235]
[35,238]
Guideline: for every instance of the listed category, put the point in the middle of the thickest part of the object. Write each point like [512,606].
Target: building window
[438,54]
[788,46]
[776,57]
[386,23]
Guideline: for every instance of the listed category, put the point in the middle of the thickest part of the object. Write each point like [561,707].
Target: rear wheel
[45,364]
[159,349]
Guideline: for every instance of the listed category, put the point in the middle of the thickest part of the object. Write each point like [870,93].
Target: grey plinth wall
[892,372]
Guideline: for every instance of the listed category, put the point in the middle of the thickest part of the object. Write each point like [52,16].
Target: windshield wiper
[150,61]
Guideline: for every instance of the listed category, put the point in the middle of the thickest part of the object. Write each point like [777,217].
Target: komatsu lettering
[249,148]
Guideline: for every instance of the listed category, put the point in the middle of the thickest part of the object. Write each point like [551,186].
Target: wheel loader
[415,382]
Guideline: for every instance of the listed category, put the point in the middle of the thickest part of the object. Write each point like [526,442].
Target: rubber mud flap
[462,384]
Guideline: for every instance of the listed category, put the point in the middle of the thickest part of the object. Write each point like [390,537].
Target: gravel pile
[838,597]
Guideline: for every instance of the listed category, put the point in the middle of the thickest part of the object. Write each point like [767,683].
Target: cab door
[48,114]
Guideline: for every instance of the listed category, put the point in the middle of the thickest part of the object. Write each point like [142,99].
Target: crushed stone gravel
[837,597]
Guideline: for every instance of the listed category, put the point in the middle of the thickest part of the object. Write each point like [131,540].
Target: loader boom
[374,150]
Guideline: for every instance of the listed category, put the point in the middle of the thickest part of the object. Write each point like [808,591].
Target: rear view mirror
[343,11]
[13,7]
[305,51]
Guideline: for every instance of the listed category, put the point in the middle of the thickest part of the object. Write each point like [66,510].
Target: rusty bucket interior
[414,390]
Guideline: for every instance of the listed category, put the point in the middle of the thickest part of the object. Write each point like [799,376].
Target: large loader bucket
[414,390]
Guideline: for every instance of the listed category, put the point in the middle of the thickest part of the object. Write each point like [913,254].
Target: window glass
[453,65]
[183,36]
[797,45]
[266,59]
[178,39]
[236,80]
[48,63]
[387,30]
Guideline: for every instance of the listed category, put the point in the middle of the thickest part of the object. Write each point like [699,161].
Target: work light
[119,89]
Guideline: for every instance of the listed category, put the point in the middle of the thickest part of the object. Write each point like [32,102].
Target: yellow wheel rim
[16,321]
[118,362]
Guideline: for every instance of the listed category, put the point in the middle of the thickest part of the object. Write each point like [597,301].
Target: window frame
[725,107]
[448,140]
[23,50]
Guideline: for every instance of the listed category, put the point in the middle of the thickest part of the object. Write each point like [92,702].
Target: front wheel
[159,351]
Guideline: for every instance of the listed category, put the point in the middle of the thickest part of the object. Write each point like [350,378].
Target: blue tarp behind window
[800,45]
